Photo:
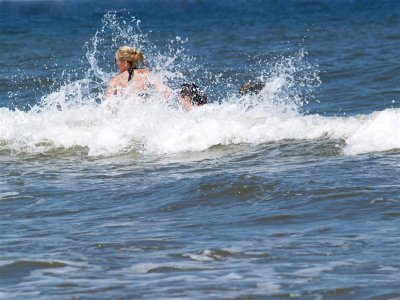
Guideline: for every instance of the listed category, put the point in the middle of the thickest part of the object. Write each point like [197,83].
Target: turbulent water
[290,193]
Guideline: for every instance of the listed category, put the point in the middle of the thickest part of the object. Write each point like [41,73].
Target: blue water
[292,193]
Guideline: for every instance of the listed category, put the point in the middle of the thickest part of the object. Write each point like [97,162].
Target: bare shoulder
[122,77]
[114,82]
[143,72]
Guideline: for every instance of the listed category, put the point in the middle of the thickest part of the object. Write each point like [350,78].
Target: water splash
[73,116]
[290,83]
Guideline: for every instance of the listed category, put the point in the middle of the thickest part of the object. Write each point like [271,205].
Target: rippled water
[285,220]
[293,193]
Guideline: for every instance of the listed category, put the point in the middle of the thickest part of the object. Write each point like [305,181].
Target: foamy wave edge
[156,128]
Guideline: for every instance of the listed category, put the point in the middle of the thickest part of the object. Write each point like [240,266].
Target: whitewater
[154,127]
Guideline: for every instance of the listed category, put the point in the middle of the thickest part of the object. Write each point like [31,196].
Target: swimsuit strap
[131,73]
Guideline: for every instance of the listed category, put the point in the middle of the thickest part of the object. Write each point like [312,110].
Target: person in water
[190,96]
[130,76]
[251,88]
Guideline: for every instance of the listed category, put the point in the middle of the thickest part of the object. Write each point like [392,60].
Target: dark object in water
[251,88]
[193,92]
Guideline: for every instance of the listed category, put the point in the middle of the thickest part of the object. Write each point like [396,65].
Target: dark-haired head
[193,92]
[251,88]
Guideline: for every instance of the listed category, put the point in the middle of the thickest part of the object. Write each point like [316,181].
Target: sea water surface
[291,193]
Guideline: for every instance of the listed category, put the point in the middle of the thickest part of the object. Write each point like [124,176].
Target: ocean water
[292,193]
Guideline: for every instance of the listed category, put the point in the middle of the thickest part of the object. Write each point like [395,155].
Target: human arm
[158,84]
[112,88]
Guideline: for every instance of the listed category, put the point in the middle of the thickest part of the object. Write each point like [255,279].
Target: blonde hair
[130,55]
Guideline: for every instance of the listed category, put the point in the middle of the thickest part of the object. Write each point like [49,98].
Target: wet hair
[130,55]
[251,88]
[193,92]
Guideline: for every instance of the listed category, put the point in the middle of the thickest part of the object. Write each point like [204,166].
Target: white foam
[144,268]
[232,276]
[8,195]
[316,270]
[379,131]
[269,287]
[155,127]
[198,257]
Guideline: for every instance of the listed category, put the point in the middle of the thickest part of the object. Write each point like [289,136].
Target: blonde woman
[130,77]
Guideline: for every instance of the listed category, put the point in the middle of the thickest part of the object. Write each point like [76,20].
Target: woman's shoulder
[121,76]
[119,80]
[142,71]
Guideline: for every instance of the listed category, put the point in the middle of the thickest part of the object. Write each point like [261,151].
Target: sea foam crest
[156,127]
[75,115]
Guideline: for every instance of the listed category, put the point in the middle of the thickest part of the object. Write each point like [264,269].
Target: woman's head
[192,92]
[127,57]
